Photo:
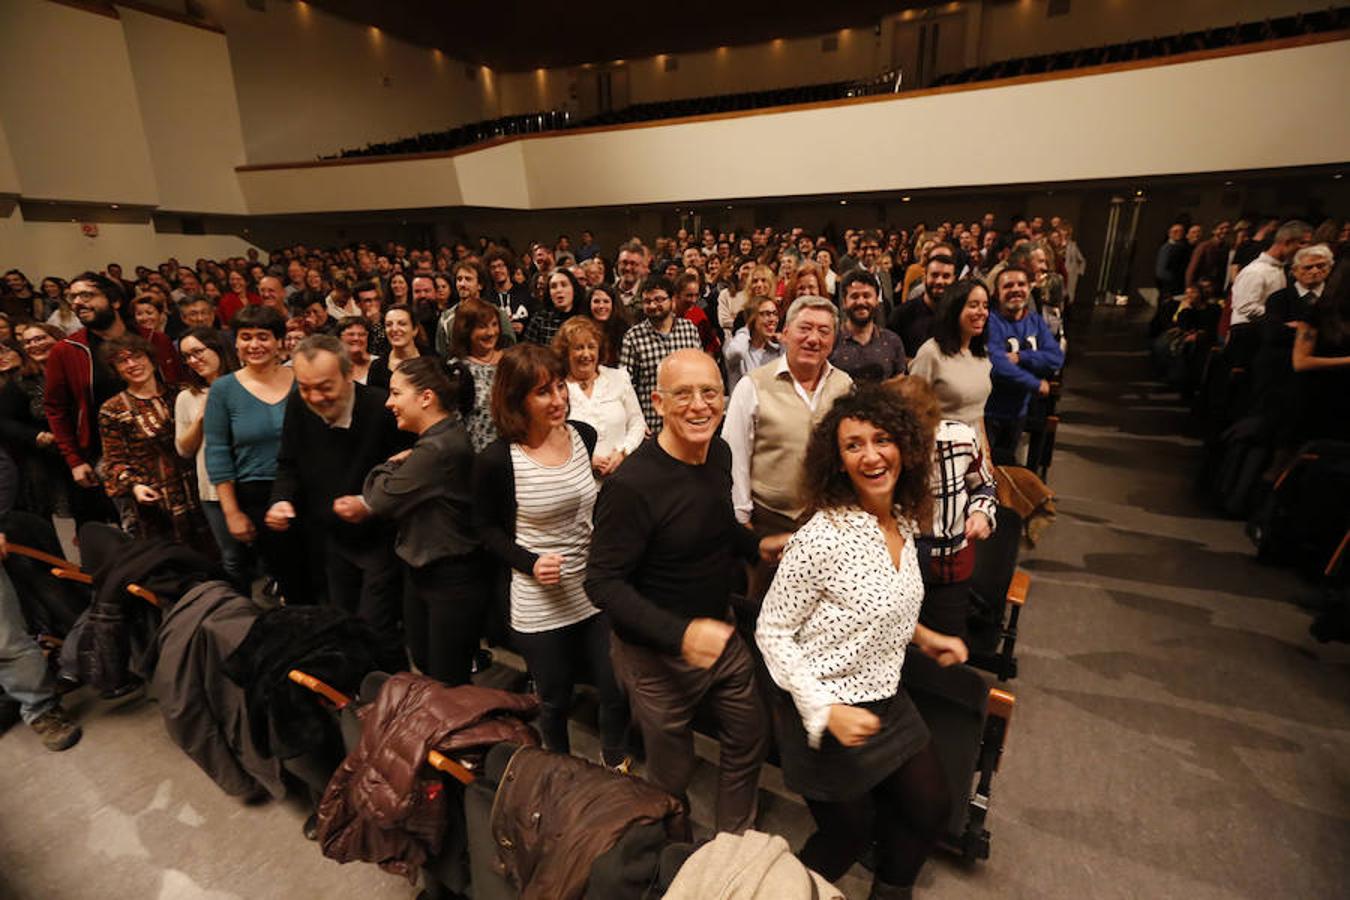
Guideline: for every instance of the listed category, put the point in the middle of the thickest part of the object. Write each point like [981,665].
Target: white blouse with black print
[839,614]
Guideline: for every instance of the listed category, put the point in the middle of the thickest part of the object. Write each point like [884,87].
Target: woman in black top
[566,298]
[426,491]
[43,484]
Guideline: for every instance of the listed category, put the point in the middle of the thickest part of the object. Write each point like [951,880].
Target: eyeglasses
[683,397]
[196,354]
[72,296]
[40,339]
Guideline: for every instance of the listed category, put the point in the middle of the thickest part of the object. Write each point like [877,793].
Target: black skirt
[834,772]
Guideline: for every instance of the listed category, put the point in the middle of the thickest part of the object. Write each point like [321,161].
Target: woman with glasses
[755,344]
[153,487]
[208,357]
[533,498]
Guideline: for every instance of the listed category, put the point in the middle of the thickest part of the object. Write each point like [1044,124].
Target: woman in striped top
[533,497]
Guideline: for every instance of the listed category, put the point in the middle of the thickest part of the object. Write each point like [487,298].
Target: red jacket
[69,400]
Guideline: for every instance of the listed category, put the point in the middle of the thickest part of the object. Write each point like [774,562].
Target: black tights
[904,814]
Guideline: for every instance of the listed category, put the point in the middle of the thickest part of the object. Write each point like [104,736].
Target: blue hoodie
[1039,356]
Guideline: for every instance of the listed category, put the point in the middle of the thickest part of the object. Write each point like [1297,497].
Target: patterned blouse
[138,448]
[482,430]
[839,614]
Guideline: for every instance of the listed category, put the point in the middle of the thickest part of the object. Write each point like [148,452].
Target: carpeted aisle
[1177,733]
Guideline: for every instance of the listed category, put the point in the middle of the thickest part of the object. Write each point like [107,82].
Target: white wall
[185,88]
[1154,120]
[59,248]
[311,84]
[69,106]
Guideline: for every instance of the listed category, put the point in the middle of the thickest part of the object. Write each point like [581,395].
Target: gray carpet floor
[1176,734]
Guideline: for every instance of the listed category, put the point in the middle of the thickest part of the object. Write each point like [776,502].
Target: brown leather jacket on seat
[1028,496]
[378,806]
[554,815]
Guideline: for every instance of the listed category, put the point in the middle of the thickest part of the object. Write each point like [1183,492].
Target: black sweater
[494,500]
[666,545]
[317,464]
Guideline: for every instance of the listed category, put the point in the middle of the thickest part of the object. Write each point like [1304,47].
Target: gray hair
[1292,230]
[314,344]
[1321,251]
[809,301]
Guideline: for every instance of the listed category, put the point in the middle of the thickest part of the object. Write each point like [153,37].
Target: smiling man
[769,421]
[662,560]
[646,344]
[334,432]
[1024,354]
[78,383]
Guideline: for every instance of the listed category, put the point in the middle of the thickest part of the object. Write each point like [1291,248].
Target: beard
[102,319]
[860,315]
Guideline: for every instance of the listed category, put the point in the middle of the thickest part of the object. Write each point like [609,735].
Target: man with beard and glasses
[913,321]
[866,350]
[78,383]
[659,334]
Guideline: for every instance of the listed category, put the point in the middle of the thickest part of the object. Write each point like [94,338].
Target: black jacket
[317,464]
[286,720]
[115,637]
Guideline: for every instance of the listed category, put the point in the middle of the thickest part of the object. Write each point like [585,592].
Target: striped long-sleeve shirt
[963,483]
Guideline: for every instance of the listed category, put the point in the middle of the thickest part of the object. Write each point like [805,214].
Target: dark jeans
[282,552]
[904,814]
[666,692]
[1004,435]
[443,607]
[557,660]
[365,581]
[91,504]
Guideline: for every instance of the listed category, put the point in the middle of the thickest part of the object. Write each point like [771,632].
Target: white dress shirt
[612,410]
[739,430]
[1259,279]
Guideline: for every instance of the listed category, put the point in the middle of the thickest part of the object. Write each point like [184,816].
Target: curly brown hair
[825,484]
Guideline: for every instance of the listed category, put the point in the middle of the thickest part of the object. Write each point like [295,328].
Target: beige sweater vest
[782,430]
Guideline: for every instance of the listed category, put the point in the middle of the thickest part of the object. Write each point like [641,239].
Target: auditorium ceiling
[515,35]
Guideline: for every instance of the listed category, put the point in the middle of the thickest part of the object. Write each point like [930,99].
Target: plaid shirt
[963,483]
[643,349]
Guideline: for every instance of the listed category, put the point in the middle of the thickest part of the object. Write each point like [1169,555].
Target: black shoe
[122,690]
[482,661]
[311,827]
[9,714]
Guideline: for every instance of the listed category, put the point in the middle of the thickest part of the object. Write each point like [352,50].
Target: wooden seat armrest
[1018,587]
[72,575]
[1334,564]
[454,769]
[40,556]
[1001,704]
[145,594]
[323,689]
[79,577]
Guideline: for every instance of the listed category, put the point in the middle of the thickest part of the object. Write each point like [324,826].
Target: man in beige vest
[769,422]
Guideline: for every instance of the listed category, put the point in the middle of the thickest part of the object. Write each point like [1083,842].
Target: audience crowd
[727,474]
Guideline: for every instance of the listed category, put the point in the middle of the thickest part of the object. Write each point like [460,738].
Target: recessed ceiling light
[843,203]
[904,199]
